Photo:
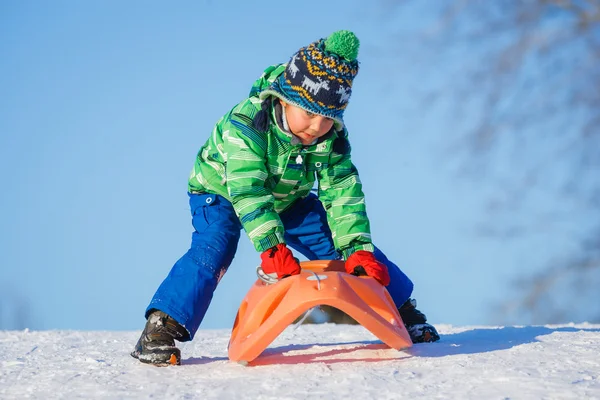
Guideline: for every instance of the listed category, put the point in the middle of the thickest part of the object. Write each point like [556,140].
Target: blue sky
[104,106]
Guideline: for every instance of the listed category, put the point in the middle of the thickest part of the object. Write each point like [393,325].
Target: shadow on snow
[473,341]
[485,340]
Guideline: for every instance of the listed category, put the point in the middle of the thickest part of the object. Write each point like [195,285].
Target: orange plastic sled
[268,309]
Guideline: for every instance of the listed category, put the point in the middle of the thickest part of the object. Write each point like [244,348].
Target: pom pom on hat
[343,43]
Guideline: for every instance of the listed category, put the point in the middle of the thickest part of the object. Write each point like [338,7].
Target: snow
[312,362]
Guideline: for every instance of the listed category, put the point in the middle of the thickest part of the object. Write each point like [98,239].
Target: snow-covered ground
[311,362]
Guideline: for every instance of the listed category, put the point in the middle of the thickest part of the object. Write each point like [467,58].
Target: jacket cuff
[348,251]
[272,239]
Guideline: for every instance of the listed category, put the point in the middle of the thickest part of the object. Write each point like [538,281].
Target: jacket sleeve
[246,173]
[340,191]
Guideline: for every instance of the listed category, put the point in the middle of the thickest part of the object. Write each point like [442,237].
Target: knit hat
[318,77]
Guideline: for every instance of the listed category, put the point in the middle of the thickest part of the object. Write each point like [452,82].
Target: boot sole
[173,360]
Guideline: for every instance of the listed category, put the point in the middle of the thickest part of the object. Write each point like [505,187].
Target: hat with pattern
[318,77]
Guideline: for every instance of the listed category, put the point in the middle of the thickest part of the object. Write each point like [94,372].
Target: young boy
[256,172]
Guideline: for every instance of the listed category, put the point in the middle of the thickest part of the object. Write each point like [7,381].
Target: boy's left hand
[364,263]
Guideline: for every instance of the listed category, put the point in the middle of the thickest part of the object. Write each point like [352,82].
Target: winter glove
[279,260]
[364,263]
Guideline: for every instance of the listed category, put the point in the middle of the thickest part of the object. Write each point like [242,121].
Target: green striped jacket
[262,174]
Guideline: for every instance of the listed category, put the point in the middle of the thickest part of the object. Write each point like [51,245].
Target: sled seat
[268,309]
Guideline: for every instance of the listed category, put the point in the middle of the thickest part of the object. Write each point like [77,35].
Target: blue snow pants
[187,291]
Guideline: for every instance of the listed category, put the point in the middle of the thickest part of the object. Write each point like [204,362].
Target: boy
[256,172]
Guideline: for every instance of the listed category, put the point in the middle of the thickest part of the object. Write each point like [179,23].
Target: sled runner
[268,309]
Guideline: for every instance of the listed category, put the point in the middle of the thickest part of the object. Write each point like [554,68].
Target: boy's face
[306,125]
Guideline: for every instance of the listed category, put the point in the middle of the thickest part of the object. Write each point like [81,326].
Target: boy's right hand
[279,260]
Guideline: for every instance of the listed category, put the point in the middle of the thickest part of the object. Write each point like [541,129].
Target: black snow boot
[157,343]
[416,323]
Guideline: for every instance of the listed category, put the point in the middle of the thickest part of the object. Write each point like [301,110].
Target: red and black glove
[279,260]
[364,263]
